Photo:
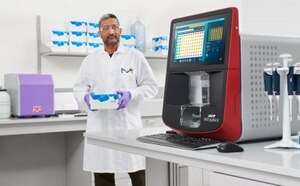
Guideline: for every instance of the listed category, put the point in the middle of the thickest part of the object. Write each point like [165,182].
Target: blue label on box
[94,25]
[106,97]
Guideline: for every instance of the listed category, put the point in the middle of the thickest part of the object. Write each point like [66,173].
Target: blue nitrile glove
[87,99]
[124,99]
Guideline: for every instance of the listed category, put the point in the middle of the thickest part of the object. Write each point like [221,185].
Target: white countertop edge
[10,121]
[203,155]
[37,125]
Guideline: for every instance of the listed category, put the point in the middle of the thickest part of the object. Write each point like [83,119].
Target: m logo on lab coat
[123,70]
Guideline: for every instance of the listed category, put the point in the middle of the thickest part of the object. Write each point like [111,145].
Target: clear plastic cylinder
[138,29]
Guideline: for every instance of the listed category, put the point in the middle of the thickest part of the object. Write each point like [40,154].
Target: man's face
[110,31]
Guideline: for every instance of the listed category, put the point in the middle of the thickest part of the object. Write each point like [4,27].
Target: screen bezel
[196,66]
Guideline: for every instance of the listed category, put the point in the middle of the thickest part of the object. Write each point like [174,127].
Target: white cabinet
[218,179]
[48,159]
[192,176]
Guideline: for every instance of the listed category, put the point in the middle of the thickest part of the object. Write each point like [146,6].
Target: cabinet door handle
[149,122]
[183,166]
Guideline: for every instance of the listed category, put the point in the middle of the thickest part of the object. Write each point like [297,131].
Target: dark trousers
[108,179]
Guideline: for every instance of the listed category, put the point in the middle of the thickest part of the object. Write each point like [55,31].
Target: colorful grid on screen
[215,33]
[189,45]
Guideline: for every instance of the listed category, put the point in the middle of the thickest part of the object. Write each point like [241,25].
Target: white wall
[18,25]
[271,17]
[18,29]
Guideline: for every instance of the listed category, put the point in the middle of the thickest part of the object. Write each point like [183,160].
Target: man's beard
[111,42]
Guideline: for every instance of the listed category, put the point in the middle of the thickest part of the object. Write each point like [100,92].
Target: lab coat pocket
[129,81]
[92,80]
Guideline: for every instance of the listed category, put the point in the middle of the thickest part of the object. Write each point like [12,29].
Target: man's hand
[125,97]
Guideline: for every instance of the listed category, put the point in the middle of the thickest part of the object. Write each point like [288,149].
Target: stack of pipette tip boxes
[59,41]
[76,37]
[93,39]
[160,45]
[128,40]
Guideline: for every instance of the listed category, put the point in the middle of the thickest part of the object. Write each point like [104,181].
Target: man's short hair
[108,16]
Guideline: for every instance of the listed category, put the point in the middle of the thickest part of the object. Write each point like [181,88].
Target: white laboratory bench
[42,151]
[253,167]
[46,151]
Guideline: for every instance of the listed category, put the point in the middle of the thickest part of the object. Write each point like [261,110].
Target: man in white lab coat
[114,68]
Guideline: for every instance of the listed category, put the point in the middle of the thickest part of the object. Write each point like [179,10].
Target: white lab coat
[126,70]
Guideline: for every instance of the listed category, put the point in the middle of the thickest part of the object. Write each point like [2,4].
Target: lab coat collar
[121,49]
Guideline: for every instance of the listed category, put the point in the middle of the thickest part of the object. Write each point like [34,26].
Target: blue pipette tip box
[104,101]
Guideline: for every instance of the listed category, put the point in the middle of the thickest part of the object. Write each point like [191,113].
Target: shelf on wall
[79,54]
[46,51]
[155,56]
[62,54]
